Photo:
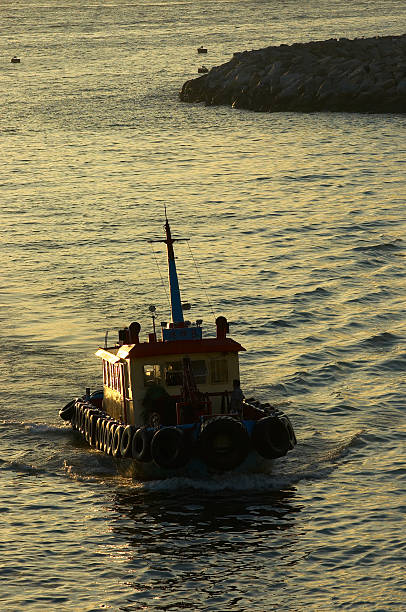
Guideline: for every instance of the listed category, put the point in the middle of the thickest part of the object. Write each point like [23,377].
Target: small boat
[202,70]
[201,49]
[172,404]
[15,60]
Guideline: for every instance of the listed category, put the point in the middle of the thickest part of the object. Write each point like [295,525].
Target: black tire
[104,434]
[116,441]
[270,437]
[169,448]
[66,413]
[108,440]
[223,443]
[99,432]
[88,414]
[74,416]
[289,427]
[80,418]
[141,445]
[92,437]
[77,416]
[126,441]
[86,424]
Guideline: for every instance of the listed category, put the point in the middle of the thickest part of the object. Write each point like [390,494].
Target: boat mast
[176,304]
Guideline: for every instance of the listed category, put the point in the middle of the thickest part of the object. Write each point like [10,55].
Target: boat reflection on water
[154,517]
[204,550]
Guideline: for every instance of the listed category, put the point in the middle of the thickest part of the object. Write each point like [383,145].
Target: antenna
[152,310]
[105,339]
[176,305]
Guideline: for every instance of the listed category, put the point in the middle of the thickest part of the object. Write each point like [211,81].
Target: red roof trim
[179,347]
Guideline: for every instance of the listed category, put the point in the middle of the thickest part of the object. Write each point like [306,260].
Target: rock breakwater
[361,75]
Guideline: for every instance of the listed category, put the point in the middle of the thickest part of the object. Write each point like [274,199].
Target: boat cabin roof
[180,347]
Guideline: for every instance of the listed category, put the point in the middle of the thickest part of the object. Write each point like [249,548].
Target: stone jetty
[361,75]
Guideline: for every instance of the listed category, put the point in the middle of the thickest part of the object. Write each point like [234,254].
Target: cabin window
[199,371]
[113,376]
[174,372]
[218,371]
[152,375]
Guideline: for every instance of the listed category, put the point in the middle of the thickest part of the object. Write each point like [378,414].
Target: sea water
[297,235]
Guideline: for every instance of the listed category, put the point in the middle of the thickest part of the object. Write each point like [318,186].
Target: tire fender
[116,441]
[223,443]
[289,427]
[108,440]
[270,437]
[104,431]
[169,448]
[126,441]
[92,431]
[82,417]
[67,412]
[99,432]
[141,445]
[75,415]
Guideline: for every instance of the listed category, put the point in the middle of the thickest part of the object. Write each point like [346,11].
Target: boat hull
[194,469]
[220,444]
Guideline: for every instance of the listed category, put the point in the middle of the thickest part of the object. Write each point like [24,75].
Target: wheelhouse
[135,371]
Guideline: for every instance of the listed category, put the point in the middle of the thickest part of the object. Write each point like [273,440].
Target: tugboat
[172,405]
